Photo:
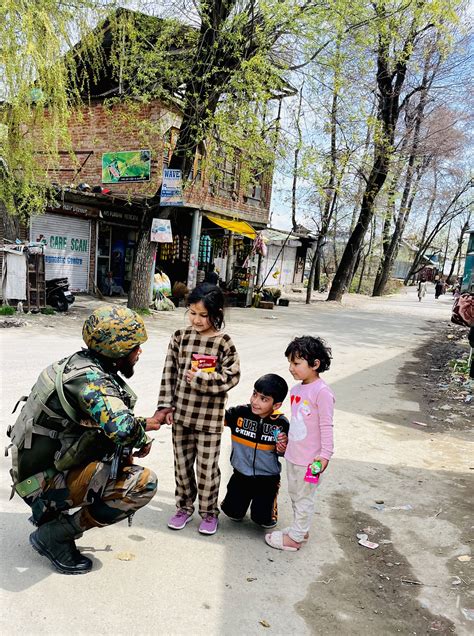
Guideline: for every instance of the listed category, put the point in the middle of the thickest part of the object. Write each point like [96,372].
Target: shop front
[117,237]
[224,247]
[67,245]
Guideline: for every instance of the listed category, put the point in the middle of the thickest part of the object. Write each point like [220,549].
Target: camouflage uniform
[103,398]
[73,439]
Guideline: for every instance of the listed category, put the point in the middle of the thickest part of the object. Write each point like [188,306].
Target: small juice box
[310,477]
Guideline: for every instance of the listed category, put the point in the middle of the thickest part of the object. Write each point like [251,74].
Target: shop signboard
[161,231]
[123,167]
[171,188]
[66,243]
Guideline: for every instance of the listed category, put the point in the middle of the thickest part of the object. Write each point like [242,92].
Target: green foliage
[460,366]
[39,88]
[7,310]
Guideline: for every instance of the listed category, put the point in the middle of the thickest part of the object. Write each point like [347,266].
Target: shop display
[178,250]
[205,249]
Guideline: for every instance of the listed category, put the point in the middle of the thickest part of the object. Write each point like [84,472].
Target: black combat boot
[55,540]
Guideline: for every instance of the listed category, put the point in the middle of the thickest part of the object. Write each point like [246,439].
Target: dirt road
[232,583]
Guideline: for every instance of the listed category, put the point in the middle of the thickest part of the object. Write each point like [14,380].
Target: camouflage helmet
[114,331]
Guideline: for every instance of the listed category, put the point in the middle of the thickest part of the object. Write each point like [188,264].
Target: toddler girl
[198,397]
[310,436]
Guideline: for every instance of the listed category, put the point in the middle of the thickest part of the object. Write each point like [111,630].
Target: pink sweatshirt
[312,410]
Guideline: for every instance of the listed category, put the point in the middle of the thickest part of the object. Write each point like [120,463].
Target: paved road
[182,582]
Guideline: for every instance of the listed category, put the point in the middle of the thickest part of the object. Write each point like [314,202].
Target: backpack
[463,310]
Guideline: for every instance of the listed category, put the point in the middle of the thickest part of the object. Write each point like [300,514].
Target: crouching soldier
[72,444]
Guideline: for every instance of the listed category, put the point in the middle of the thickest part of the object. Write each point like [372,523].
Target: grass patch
[47,311]
[460,366]
[143,312]
[6,310]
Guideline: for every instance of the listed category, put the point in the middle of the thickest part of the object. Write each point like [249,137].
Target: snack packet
[204,363]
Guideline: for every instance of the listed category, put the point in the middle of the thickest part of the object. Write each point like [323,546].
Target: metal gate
[67,247]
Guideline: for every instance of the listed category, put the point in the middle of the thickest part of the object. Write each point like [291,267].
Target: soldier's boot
[55,540]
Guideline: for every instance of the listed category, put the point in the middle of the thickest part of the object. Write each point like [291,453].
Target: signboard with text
[161,231]
[171,188]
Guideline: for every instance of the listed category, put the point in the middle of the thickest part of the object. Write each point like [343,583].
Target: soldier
[73,441]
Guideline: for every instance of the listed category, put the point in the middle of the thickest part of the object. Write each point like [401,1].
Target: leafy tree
[395,37]
[38,89]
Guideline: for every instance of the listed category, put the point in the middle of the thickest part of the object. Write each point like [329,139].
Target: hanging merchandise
[259,246]
[167,251]
[185,249]
[175,248]
[205,249]
[220,247]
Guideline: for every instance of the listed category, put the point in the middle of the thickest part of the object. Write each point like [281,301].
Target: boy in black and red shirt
[259,436]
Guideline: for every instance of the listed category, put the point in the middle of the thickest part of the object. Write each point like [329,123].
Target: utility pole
[194,249]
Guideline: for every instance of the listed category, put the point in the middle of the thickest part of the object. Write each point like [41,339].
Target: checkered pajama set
[199,414]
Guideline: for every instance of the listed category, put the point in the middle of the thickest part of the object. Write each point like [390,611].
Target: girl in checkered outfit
[198,398]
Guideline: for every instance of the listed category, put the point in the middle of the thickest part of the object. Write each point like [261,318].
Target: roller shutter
[67,250]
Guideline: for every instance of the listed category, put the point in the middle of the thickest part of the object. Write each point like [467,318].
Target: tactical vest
[68,430]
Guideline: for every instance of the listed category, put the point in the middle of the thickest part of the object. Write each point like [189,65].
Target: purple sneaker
[209,525]
[179,520]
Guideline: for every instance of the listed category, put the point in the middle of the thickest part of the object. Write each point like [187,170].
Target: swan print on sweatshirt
[310,434]
[298,430]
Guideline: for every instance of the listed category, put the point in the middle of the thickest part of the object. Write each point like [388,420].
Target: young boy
[259,434]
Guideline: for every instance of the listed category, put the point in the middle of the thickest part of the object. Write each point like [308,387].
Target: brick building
[91,233]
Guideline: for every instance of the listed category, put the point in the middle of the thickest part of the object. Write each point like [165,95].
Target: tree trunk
[387,225]
[391,249]
[330,191]
[11,224]
[464,229]
[389,85]
[211,72]
[295,164]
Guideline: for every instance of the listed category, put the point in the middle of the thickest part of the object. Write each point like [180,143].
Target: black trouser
[260,493]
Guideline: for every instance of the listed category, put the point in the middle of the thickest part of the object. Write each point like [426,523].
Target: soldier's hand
[143,451]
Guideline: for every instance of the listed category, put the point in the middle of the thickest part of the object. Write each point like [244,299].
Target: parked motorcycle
[58,294]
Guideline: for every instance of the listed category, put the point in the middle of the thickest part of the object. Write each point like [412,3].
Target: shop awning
[239,227]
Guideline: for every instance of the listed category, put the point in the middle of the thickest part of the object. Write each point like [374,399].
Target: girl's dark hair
[212,298]
[310,349]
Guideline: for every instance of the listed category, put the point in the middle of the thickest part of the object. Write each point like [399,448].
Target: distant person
[259,436]
[310,438]
[198,395]
[421,289]
[439,288]
[110,286]
[211,276]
